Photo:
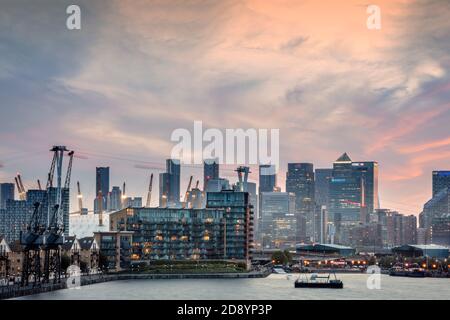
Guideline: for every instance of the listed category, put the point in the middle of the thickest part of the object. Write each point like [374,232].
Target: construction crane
[39,184]
[150,187]
[197,184]
[80,198]
[20,187]
[124,197]
[69,170]
[186,196]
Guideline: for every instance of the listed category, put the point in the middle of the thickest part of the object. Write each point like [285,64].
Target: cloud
[139,69]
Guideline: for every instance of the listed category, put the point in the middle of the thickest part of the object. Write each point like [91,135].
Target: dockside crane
[53,237]
[20,187]
[31,239]
[149,194]
[39,185]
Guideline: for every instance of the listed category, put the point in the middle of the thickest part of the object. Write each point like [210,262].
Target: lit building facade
[278,221]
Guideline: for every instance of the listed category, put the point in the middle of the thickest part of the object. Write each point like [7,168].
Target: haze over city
[137,70]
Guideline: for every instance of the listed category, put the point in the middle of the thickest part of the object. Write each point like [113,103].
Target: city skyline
[116,89]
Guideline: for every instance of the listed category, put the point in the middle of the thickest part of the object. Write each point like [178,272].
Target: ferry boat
[316,281]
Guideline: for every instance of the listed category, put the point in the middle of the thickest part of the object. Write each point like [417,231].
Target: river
[274,287]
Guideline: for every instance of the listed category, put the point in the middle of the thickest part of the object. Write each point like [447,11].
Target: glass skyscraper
[169,184]
[441,180]
[267,178]
[6,193]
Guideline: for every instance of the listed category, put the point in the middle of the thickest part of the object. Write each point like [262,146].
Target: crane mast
[186,196]
[80,198]
[149,196]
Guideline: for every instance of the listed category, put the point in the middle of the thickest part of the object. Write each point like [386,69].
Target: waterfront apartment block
[222,230]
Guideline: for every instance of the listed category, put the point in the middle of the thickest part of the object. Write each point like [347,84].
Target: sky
[115,90]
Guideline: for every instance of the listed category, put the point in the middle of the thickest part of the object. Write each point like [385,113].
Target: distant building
[300,181]
[397,229]
[436,217]
[267,178]
[278,220]
[326,249]
[169,184]
[353,194]
[322,186]
[17,214]
[217,185]
[6,193]
[101,183]
[84,225]
[432,251]
[115,199]
[210,171]
[441,180]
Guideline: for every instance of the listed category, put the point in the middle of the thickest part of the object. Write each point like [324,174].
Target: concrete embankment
[14,291]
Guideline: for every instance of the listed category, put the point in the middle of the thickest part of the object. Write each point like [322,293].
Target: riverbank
[15,291]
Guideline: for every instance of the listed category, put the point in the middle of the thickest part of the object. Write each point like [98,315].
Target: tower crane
[186,196]
[80,198]
[124,196]
[21,188]
[150,187]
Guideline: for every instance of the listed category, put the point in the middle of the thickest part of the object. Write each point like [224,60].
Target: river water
[274,287]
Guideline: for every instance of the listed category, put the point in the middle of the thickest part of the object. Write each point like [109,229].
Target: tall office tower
[300,181]
[353,194]
[278,225]
[320,224]
[101,182]
[6,193]
[435,217]
[267,178]
[409,230]
[115,199]
[367,172]
[322,179]
[441,180]
[210,171]
[169,184]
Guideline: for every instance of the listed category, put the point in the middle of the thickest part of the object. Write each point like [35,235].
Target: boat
[316,281]
[414,271]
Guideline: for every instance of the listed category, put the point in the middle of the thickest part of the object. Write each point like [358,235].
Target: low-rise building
[326,249]
[115,249]
[430,250]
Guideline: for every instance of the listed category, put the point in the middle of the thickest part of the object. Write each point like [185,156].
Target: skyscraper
[353,194]
[210,171]
[278,225]
[300,181]
[101,183]
[267,178]
[6,193]
[169,184]
[441,180]
[115,199]
[322,179]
